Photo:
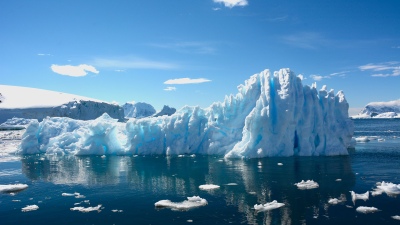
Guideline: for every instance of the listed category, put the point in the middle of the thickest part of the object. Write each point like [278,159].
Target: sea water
[124,189]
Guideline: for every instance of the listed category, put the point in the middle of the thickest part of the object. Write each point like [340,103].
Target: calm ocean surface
[131,185]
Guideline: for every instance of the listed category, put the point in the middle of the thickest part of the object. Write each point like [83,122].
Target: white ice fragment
[365,209]
[362,139]
[189,221]
[389,188]
[231,184]
[304,185]
[191,202]
[13,187]
[268,206]
[208,187]
[30,208]
[85,210]
[335,201]
[396,217]
[67,194]
[338,180]
[117,210]
[15,200]
[355,196]
[280,164]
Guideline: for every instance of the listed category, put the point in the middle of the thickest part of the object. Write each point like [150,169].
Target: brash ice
[272,114]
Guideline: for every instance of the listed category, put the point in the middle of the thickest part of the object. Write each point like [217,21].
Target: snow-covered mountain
[272,114]
[32,103]
[138,110]
[166,110]
[389,109]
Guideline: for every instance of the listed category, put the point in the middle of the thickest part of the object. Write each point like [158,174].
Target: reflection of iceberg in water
[258,180]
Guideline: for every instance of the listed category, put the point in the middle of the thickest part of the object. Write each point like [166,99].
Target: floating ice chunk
[335,201]
[389,188]
[191,202]
[268,206]
[13,187]
[365,209]
[355,196]
[208,187]
[362,139]
[117,210]
[338,180]
[76,194]
[30,208]
[280,164]
[189,221]
[309,184]
[396,217]
[85,210]
[231,184]
[381,139]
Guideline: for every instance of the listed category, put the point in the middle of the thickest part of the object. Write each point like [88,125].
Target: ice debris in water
[335,201]
[208,187]
[30,208]
[389,188]
[272,114]
[268,206]
[85,210]
[365,209]
[280,164]
[76,194]
[117,210]
[191,202]
[396,217]
[309,184]
[355,196]
[13,187]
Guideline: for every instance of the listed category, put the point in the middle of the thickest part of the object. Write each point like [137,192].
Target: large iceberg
[272,114]
[390,109]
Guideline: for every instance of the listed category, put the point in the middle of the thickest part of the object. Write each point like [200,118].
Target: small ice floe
[396,217]
[76,194]
[117,211]
[389,188]
[355,196]
[30,208]
[365,209]
[381,139]
[208,187]
[338,180]
[85,210]
[13,187]
[103,156]
[362,139]
[15,200]
[189,221]
[191,202]
[231,184]
[304,185]
[268,206]
[335,201]
[280,164]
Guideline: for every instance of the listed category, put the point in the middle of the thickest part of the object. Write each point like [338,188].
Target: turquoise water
[133,184]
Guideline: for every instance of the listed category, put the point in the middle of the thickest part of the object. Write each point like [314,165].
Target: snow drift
[271,115]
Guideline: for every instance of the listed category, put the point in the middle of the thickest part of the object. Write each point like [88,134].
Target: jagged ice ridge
[272,114]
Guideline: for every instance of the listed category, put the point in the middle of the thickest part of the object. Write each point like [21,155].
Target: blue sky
[140,50]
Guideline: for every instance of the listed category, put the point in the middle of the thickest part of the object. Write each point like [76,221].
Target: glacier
[272,114]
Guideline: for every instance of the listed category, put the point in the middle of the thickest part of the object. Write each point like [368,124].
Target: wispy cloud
[386,69]
[186,81]
[170,89]
[306,40]
[133,63]
[318,77]
[74,71]
[398,47]
[44,54]
[232,3]
[278,19]
[187,47]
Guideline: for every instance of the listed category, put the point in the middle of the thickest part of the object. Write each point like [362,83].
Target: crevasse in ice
[272,114]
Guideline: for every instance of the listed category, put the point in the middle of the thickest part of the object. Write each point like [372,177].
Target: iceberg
[207,187]
[13,187]
[309,184]
[87,209]
[268,206]
[272,114]
[191,202]
[366,209]
[389,188]
[390,109]
[355,196]
[30,208]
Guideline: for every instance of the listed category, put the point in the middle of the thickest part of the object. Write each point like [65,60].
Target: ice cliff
[272,114]
[33,103]
[389,109]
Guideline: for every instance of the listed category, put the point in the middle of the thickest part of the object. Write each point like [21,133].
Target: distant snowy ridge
[32,103]
[389,109]
[138,110]
[165,111]
[271,115]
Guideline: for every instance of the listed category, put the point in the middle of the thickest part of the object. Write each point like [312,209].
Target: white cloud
[339,74]
[186,81]
[170,89]
[318,77]
[74,71]
[43,54]
[133,63]
[386,69]
[232,3]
